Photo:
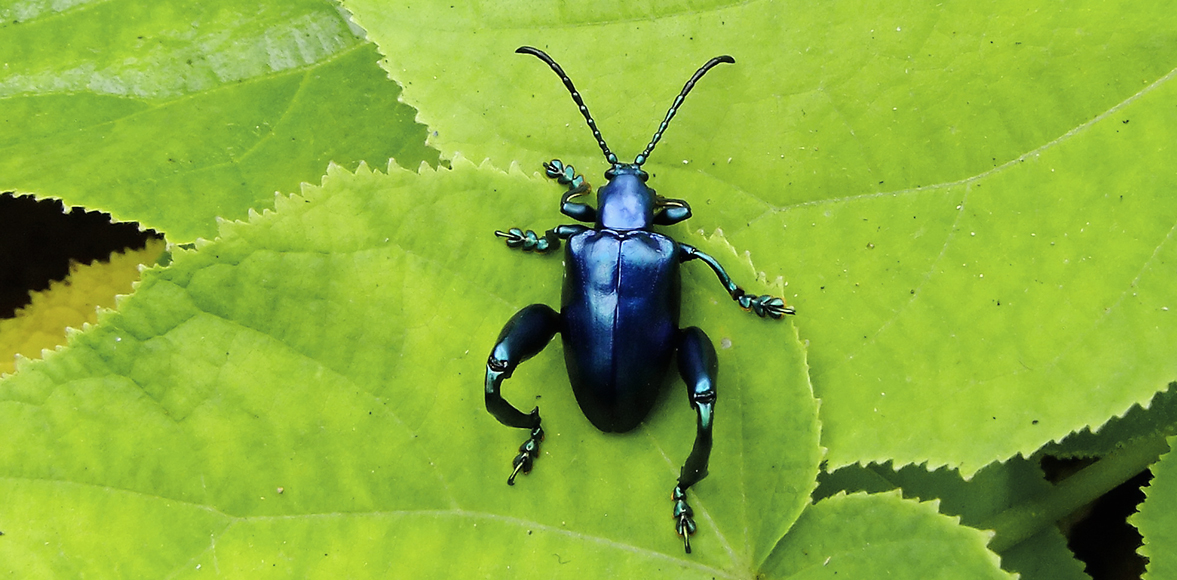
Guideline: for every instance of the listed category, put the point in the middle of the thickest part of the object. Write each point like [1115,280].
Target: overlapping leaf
[42,324]
[1039,550]
[173,114]
[1155,520]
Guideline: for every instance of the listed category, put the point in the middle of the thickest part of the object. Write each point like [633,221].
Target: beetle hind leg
[698,367]
[524,335]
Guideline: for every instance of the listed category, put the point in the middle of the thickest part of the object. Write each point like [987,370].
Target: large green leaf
[304,394]
[173,114]
[301,396]
[972,206]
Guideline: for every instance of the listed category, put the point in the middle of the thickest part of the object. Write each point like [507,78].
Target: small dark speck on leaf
[1034,422]
[1125,121]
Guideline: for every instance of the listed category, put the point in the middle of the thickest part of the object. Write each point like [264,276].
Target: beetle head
[625,203]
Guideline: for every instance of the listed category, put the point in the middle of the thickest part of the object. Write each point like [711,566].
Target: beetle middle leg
[698,367]
[525,334]
[764,306]
[528,241]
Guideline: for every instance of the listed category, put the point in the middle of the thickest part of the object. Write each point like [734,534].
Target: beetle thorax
[625,203]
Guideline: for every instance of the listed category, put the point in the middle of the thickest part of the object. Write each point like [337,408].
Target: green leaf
[1156,420]
[1155,519]
[305,394]
[173,114]
[860,536]
[970,206]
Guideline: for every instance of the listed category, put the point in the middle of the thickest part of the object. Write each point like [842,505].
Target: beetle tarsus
[528,452]
[529,241]
[566,175]
[684,523]
[764,306]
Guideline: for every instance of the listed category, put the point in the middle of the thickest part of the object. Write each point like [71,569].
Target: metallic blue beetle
[620,307]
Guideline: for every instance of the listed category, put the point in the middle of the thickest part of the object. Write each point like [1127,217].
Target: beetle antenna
[609,156]
[678,101]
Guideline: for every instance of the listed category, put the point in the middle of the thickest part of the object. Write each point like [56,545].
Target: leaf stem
[1026,519]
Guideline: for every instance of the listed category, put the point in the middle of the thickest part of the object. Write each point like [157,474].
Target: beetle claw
[528,452]
[518,466]
[684,516]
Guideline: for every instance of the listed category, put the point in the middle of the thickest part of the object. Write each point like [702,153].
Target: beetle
[620,307]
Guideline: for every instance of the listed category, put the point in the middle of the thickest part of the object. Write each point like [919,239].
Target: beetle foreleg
[698,367]
[524,335]
[577,186]
[764,306]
